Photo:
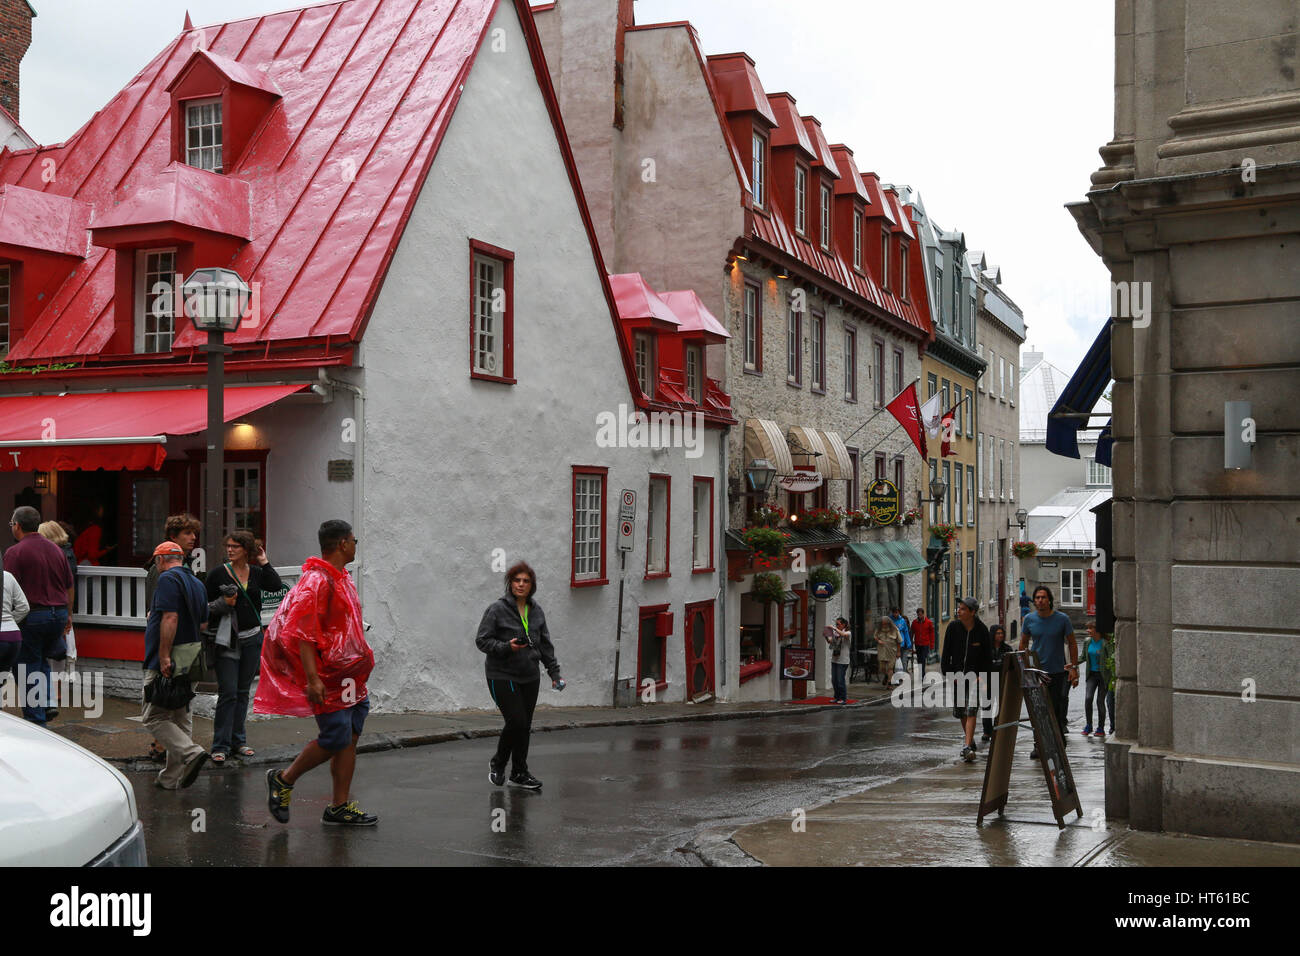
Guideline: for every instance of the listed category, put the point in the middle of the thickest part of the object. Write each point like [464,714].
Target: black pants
[1058,692]
[516,702]
[234,677]
[1095,687]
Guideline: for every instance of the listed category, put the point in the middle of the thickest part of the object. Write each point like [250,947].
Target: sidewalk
[928,819]
[118,736]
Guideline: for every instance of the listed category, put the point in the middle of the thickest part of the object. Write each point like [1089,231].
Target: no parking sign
[626,519]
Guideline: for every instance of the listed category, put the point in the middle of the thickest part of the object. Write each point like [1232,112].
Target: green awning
[884,559]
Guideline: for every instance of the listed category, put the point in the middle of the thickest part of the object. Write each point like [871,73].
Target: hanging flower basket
[944,532]
[768,588]
[824,573]
[1024,549]
[765,542]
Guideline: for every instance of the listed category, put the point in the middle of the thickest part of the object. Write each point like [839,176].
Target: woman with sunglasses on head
[240,581]
[514,637]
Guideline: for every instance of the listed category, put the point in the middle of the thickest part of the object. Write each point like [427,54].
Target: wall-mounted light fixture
[42,481]
[1238,436]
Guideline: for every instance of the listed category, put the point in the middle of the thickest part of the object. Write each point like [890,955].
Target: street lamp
[1019,521]
[759,474]
[216,300]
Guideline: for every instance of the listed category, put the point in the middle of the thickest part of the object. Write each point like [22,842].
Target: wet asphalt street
[615,795]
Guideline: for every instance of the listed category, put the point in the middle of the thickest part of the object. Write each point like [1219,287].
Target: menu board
[797,663]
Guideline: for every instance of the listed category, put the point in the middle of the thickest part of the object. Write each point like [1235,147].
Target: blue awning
[1104,441]
[1079,396]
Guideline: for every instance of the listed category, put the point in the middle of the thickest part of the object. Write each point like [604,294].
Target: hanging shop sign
[800,482]
[823,590]
[882,501]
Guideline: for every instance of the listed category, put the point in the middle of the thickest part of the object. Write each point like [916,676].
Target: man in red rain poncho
[315,662]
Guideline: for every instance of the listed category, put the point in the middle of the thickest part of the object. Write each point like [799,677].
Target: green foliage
[1108,660]
[825,573]
[7,369]
[765,541]
[768,587]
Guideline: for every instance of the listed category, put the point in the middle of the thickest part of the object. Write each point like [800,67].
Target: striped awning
[764,439]
[838,453]
[809,440]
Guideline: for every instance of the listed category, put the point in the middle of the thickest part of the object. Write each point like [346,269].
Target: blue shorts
[337,727]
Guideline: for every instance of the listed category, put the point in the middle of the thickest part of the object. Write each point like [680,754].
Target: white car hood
[60,805]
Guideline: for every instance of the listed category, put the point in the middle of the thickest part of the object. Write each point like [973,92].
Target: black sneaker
[278,794]
[192,769]
[974,747]
[985,738]
[348,815]
[495,774]
[525,780]
[967,753]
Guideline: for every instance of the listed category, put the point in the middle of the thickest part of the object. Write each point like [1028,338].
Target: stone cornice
[1232,126]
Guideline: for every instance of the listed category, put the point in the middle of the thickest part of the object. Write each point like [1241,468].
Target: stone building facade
[1198,203]
[999,333]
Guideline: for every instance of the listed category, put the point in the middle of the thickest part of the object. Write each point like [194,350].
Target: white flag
[932,414]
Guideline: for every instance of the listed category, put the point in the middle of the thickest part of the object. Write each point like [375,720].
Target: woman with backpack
[240,581]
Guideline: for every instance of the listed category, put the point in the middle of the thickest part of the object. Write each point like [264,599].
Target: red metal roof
[368,89]
[738,85]
[695,317]
[850,180]
[636,300]
[820,146]
[789,131]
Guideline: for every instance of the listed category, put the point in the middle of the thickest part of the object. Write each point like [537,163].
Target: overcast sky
[994,111]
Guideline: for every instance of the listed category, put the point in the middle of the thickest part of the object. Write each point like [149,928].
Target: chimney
[15,37]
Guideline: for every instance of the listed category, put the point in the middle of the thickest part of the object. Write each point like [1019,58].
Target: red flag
[906,408]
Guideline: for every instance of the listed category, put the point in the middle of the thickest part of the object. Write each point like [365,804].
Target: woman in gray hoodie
[514,637]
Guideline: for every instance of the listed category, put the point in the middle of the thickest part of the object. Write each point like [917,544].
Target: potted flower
[768,542]
[944,532]
[911,515]
[767,516]
[825,574]
[857,518]
[1024,549]
[818,518]
[768,587]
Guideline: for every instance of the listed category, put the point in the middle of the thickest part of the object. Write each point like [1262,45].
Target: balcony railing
[114,597]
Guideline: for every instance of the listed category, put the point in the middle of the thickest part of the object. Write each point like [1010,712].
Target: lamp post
[1019,521]
[935,557]
[215,300]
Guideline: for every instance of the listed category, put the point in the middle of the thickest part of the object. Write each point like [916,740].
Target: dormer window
[884,257]
[800,200]
[902,270]
[155,300]
[6,286]
[857,240]
[759,170]
[203,135]
[644,356]
[826,217]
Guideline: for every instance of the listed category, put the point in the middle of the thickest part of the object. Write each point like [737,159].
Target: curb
[380,742]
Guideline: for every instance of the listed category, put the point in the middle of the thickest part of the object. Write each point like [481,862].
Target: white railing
[114,597]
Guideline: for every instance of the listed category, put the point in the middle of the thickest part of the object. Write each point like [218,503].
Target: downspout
[723,440]
[359,460]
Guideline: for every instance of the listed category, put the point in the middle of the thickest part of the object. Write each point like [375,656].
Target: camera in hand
[228,590]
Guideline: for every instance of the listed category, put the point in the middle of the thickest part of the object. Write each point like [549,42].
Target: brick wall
[15,38]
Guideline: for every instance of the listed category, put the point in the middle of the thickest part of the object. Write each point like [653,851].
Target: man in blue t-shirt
[1051,633]
[179,606]
[904,636]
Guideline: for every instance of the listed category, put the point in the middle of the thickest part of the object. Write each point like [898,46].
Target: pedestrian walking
[13,608]
[172,647]
[837,637]
[888,644]
[53,531]
[315,662]
[1095,685]
[923,637]
[998,647]
[238,638]
[1051,632]
[966,653]
[183,529]
[41,570]
[904,636]
[514,638]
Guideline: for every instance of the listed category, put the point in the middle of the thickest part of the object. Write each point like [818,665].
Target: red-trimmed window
[657,538]
[850,364]
[753,331]
[818,353]
[643,353]
[588,543]
[695,373]
[878,369]
[826,217]
[203,136]
[800,199]
[491,313]
[702,526]
[6,296]
[902,270]
[155,300]
[758,169]
[794,346]
[857,240]
[652,649]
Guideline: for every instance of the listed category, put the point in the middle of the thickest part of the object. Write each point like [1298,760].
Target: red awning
[112,430]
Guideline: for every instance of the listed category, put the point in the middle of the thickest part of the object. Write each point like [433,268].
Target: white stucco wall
[456,468]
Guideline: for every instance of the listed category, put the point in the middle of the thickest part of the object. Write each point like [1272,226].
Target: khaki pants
[172,729]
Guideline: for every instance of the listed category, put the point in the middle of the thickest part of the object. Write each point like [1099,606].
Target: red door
[699,649]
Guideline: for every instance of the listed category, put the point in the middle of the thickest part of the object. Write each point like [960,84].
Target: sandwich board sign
[1023,680]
